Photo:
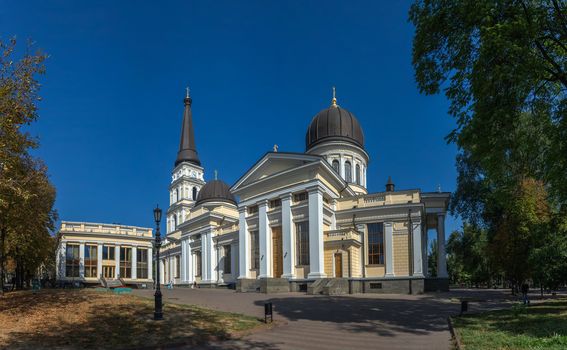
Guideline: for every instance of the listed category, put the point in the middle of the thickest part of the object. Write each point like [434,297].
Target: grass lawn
[540,326]
[79,319]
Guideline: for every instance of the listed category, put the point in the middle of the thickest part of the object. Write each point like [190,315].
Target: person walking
[525,290]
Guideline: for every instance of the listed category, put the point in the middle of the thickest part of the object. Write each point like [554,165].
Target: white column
[425,251]
[441,257]
[243,244]
[220,263]
[99,260]
[161,263]
[417,259]
[150,263]
[265,240]
[182,262]
[82,260]
[116,261]
[208,256]
[134,273]
[288,238]
[316,252]
[342,166]
[189,263]
[213,260]
[389,248]
[61,256]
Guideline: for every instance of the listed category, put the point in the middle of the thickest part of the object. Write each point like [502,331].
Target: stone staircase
[329,286]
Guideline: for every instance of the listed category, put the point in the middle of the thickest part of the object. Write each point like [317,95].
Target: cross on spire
[216,174]
[334,101]
[187,88]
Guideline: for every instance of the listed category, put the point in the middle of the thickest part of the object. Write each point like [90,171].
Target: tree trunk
[2,245]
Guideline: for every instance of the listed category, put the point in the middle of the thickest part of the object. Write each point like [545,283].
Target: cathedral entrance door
[277,251]
[338,265]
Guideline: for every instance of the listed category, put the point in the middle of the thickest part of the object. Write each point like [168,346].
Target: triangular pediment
[273,163]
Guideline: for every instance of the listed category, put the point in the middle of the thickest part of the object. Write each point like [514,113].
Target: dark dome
[217,191]
[334,123]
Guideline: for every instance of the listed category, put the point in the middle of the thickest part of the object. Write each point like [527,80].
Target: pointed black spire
[187,150]
[389,185]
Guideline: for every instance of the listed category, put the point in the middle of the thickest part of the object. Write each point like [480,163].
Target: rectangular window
[300,197]
[227,259]
[141,263]
[91,259]
[252,210]
[107,252]
[255,250]
[302,242]
[177,266]
[72,260]
[275,203]
[198,269]
[376,243]
[125,262]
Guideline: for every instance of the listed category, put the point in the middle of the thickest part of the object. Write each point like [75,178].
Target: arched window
[174,222]
[336,166]
[176,194]
[194,193]
[348,172]
[357,174]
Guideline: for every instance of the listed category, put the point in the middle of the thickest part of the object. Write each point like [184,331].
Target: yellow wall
[401,255]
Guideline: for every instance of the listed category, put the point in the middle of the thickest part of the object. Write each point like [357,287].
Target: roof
[217,191]
[187,149]
[334,123]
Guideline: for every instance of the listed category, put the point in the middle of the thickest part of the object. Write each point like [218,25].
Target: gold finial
[216,175]
[275,148]
[187,88]
[334,101]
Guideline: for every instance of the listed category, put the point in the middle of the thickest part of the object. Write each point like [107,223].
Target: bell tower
[187,176]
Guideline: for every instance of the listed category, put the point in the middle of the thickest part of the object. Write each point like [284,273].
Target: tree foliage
[503,67]
[27,197]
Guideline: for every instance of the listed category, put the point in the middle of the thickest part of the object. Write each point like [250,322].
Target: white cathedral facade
[302,221]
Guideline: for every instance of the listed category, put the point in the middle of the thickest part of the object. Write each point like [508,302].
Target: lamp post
[158,314]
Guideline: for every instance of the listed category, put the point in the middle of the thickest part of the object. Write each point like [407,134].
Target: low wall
[436,284]
[387,286]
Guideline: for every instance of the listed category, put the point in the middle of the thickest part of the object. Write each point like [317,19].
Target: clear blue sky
[258,71]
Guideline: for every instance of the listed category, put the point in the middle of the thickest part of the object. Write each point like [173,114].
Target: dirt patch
[72,319]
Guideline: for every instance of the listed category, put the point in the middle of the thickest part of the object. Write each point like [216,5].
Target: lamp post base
[158,314]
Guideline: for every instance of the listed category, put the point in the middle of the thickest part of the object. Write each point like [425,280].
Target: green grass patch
[540,326]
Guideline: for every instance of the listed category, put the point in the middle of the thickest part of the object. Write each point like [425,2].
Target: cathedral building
[302,221]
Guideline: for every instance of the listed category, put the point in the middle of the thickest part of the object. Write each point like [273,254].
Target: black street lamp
[158,314]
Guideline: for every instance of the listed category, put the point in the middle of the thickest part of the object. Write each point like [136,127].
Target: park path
[359,321]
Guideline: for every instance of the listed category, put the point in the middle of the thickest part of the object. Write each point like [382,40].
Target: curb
[454,335]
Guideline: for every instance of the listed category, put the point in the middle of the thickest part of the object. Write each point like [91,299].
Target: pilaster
[389,248]
[82,260]
[99,260]
[117,262]
[417,258]
[134,274]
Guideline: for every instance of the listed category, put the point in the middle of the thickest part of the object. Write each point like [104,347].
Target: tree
[497,62]
[26,196]
[432,258]
[468,261]
[502,66]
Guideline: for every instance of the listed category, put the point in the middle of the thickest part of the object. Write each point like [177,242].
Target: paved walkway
[347,322]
